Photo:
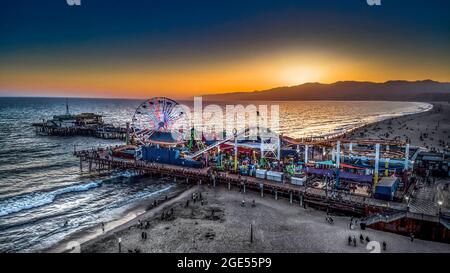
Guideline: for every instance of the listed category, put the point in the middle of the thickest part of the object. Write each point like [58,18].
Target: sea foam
[37,199]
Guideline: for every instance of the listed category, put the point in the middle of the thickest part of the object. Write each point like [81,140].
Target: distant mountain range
[426,90]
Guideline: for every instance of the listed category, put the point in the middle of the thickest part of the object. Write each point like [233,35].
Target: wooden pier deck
[99,160]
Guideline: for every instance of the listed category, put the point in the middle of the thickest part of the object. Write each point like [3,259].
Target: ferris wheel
[159,119]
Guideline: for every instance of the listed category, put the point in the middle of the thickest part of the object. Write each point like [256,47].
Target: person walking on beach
[349,240]
[354,241]
[103,227]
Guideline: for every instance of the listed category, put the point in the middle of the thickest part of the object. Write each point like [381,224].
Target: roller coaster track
[236,135]
[311,141]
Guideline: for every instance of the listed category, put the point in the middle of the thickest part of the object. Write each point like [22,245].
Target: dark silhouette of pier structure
[104,132]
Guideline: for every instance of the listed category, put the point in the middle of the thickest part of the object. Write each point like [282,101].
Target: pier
[358,205]
[83,124]
[104,132]
[374,213]
[370,179]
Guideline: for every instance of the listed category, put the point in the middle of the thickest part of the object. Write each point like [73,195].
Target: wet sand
[142,209]
[278,226]
[430,129]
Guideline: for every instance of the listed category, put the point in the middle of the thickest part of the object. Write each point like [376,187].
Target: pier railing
[101,160]
[388,218]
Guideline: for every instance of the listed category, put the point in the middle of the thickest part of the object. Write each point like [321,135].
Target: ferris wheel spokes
[159,115]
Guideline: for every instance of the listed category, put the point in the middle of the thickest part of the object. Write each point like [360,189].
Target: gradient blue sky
[142,48]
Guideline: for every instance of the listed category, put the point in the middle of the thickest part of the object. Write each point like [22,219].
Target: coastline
[97,241]
[429,129]
[359,129]
[141,209]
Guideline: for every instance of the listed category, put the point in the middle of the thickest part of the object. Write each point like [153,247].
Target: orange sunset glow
[180,80]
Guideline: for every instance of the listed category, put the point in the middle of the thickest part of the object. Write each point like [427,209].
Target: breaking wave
[37,199]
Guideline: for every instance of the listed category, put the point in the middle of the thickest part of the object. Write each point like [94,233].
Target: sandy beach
[222,224]
[143,209]
[429,129]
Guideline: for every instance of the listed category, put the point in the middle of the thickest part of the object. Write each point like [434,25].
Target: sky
[140,49]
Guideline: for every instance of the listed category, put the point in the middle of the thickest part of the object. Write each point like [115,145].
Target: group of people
[197,196]
[362,240]
[253,203]
[142,225]
[167,215]
[329,219]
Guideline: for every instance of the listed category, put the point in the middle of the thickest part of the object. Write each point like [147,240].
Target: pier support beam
[301,199]
[235,151]
[338,161]
[290,197]
[262,190]
[386,167]
[244,188]
[279,148]
[276,195]
[306,154]
[407,157]
[377,162]
[229,186]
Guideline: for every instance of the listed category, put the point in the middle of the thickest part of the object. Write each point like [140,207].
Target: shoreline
[411,115]
[72,242]
[221,224]
[429,129]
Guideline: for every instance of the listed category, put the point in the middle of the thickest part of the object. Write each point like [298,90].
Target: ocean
[44,198]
